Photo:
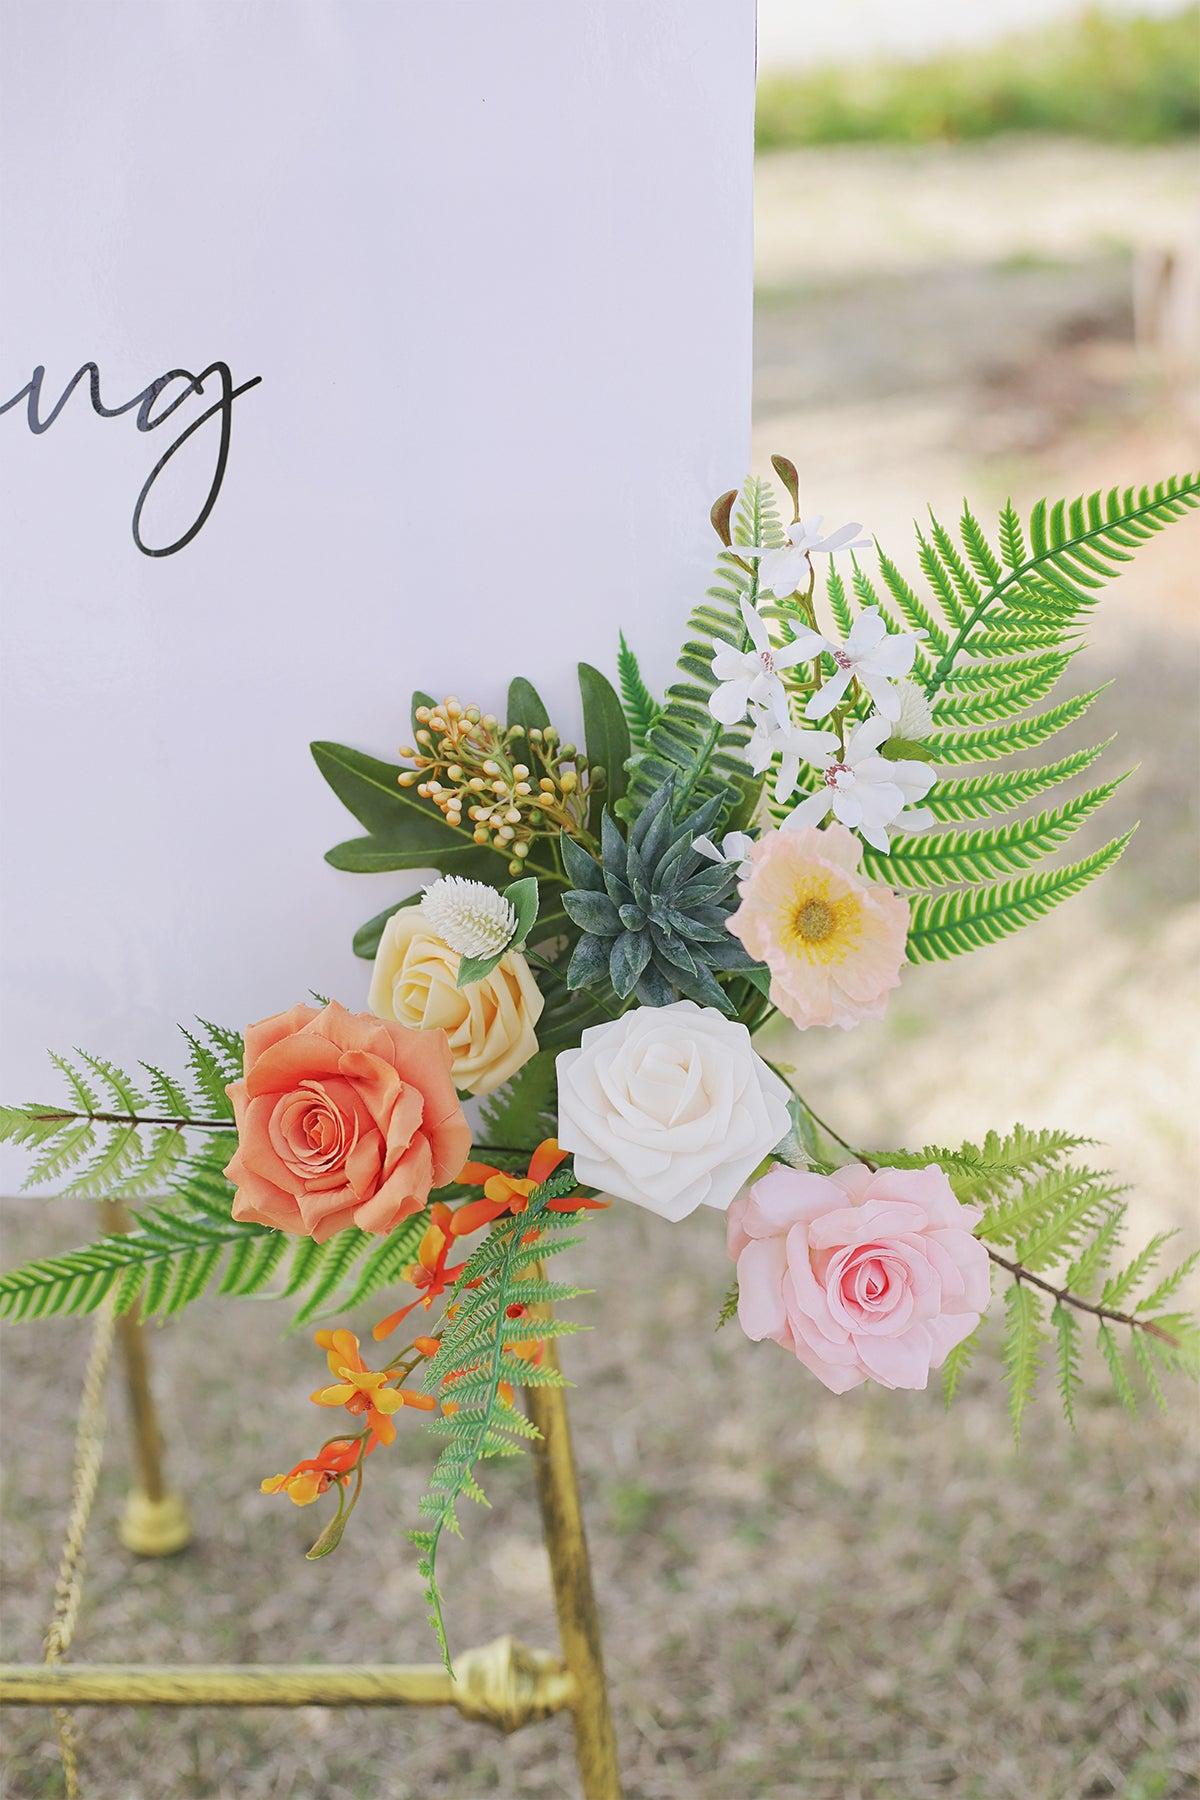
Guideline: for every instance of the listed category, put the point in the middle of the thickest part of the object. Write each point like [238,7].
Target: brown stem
[1065,1297]
[117,1118]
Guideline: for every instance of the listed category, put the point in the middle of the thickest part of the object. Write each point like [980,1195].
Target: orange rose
[342,1119]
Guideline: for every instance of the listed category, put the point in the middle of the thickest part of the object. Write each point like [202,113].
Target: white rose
[670,1107]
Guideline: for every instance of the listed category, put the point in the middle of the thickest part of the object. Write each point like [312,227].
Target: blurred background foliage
[1115,78]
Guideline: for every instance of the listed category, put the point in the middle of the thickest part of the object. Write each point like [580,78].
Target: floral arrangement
[786,831]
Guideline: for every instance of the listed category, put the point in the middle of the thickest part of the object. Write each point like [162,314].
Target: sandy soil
[803,1596]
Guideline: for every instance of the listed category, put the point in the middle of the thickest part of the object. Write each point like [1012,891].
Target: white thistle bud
[468,915]
[916,714]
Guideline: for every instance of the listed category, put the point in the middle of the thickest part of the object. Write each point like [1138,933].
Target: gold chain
[68,1588]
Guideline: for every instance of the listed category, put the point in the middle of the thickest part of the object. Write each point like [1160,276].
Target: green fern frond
[1066,1326]
[1118,1288]
[113,1130]
[1114,1357]
[972,797]
[971,856]
[1144,1357]
[990,691]
[1021,1217]
[190,1243]
[1095,1256]
[839,605]
[640,707]
[957,1362]
[472,1362]
[1170,1286]
[1023,1340]
[685,740]
[211,1075]
[1073,549]
[989,743]
[948,924]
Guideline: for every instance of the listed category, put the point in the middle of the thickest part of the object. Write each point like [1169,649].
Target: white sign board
[452,303]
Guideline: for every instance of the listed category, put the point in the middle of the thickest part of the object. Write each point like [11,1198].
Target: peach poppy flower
[834,942]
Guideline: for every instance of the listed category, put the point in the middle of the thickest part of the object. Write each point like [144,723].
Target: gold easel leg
[155,1520]
[574,1598]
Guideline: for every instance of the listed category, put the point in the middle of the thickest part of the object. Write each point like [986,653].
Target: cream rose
[489,1024]
[670,1107]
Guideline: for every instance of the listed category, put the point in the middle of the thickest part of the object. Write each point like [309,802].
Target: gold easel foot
[154,1527]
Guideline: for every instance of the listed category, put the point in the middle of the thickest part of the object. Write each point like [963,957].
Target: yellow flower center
[814,921]
[821,924]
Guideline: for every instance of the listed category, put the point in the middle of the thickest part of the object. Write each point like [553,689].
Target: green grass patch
[1118,80]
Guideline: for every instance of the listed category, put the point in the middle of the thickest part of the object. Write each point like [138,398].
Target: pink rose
[864,1277]
[342,1119]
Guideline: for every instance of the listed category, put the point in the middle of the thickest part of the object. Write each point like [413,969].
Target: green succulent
[653,910]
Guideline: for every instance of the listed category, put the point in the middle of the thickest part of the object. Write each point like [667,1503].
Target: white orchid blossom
[876,656]
[915,718]
[750,678]
[793,744]
[786,567]
[866,792]
[735,847]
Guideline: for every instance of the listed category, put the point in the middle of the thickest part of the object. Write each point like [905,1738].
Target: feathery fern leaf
[972,856]
[1071,550]
[1023,1340]
[989,743]
[125,1145]
[973,797]
[178,1248]
[947,924]
[641,708]
[958,1360]
[472,1362]
[685,740]
[1066,1326]
[1114,1357]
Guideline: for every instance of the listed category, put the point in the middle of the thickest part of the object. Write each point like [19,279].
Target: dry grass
[832,1599]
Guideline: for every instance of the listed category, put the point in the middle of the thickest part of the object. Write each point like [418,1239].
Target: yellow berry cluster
[510,785]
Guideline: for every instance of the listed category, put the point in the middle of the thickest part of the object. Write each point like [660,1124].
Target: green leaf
[1067,1327]
[991,742]
[1116,1367]
[370,790]
[685,740]
[1003,790]
[1022,1349]
[606,735]
[471,1363]
[525,705]
[519,1115]
[641,708]
[944,925]
[405,832]
[522,896]
[933,860]
[958,1360]
[366,938]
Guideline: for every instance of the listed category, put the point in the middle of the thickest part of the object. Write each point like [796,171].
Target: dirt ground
[827,1598]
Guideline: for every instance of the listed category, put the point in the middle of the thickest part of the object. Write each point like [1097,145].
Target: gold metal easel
[503,1684]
